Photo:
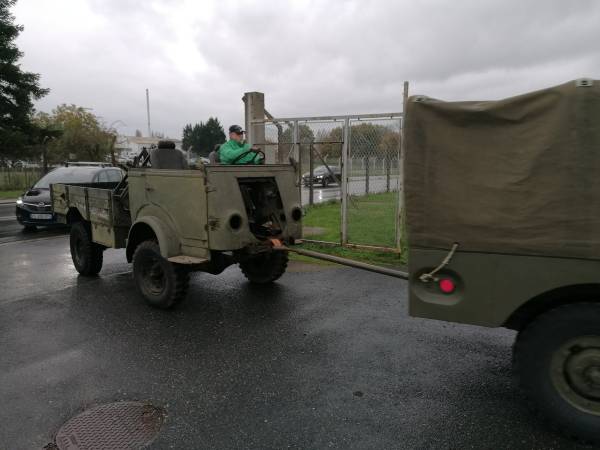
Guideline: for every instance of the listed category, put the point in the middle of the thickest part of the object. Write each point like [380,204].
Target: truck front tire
[265,267]
[163,284]
[557,362]
[86,254]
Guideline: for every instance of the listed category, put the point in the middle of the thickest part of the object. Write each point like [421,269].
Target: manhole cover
[114,426]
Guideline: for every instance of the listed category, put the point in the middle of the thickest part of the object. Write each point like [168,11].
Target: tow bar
[278,245]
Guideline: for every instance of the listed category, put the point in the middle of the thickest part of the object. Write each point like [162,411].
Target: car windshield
[65,175]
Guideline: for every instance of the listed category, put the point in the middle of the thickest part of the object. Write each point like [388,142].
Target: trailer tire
[557,362]
[162,284]
[86,254]
[265,267]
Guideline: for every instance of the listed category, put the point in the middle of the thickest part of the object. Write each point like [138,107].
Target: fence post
[386,162]
[311,171]
[345,151]
[367,165]
[400,215]
[296,144]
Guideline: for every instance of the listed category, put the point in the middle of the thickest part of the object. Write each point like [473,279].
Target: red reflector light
[447,286]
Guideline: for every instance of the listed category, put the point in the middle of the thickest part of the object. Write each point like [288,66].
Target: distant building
[128,147]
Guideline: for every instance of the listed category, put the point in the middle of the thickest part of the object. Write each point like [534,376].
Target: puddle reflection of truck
[503,220]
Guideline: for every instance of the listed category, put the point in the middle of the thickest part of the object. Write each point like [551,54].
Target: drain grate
[113,426]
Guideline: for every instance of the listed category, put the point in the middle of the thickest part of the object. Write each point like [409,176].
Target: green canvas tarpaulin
[519,175]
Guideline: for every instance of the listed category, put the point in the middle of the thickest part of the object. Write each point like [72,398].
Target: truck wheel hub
[576,373]
[583,371]
[154,276]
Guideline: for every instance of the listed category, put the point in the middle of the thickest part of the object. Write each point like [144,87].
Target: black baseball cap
[236,129]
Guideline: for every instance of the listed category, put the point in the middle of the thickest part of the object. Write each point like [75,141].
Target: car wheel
[86,254]
[265,268]
[557,362]
[162,284]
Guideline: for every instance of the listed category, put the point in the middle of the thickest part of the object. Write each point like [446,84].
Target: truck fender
[149,227]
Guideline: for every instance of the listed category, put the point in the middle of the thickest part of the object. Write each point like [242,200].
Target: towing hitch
[279,246]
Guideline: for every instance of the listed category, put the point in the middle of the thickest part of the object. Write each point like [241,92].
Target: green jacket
[231,149]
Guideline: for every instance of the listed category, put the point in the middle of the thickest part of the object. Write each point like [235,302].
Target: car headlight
[19,201]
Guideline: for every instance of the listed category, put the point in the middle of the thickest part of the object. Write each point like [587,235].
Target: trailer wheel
[557,362]
[86,254]
[163,284]
[265,268]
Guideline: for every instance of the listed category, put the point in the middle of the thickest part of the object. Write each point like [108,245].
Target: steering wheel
[251,161]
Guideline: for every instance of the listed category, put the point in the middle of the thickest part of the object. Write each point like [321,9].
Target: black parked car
[323,176]
[34,207]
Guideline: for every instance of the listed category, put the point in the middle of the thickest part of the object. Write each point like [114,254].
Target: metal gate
[349,165]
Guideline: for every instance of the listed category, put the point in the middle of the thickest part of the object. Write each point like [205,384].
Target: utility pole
[148,112]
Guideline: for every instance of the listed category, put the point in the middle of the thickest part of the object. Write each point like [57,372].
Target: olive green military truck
[503,217]
[173,220]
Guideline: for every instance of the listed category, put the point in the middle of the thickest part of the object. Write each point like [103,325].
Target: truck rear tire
[86,254]
[163,284]
[265,267]
[557,362]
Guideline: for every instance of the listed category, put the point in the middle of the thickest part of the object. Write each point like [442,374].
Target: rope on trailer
[430,276]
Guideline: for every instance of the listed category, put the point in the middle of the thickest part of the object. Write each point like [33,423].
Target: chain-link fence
[349,177]
[373,181]
[15,179]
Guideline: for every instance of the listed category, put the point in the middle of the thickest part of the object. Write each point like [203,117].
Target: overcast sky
[308,57]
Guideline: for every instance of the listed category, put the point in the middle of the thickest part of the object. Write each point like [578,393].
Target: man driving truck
[236,151]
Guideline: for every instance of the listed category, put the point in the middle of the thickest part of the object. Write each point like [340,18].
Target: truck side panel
[490,287]
[109,222]
[178,199]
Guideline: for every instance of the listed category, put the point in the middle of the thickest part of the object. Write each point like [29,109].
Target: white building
[128,147]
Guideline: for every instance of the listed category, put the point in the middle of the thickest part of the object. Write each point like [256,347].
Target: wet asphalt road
[325,358]
[11,231]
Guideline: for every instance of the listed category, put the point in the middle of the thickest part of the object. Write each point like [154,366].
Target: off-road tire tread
[93,251]
[270,274]
[178,273]
[523,340]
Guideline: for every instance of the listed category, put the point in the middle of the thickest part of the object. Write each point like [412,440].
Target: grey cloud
[311,57]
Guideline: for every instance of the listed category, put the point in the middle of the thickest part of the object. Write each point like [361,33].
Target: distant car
[34,207]
[322,176]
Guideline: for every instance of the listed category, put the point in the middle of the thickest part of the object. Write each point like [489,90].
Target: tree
[18,89]
[286,141]
[82,137]
[332,142]
[44,131]
[366,138]
[389,146]
[211,134]
[202,137]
